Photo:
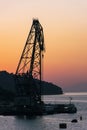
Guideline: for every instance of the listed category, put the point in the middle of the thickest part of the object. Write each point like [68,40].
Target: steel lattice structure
[28,72]
[30,61]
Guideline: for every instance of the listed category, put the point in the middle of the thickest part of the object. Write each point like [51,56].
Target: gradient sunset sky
[65,32]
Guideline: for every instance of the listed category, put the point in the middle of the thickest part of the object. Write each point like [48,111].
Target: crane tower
[30,61]
[28,71]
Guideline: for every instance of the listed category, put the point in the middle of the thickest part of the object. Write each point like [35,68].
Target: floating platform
[60,108]
[38,110]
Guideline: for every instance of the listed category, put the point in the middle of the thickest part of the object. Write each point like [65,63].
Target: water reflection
[25,117]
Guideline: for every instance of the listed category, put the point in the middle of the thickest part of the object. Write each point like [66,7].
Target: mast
[30,63]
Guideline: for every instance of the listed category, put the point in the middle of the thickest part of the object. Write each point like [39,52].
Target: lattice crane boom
[30,61]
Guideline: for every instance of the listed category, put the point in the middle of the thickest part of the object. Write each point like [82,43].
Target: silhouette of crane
[29,71]
[30,61]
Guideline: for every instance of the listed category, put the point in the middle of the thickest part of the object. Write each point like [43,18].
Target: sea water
[51,122]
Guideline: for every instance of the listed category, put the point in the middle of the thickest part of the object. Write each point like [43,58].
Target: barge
[44,109]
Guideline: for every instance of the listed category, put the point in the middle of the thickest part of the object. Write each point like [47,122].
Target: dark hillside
[8,86]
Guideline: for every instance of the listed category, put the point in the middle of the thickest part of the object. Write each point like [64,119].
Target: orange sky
[65,30]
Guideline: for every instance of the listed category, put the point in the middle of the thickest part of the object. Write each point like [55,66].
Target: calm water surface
[51,122]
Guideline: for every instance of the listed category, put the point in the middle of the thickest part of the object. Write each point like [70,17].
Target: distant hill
[8,86]
[50,89]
